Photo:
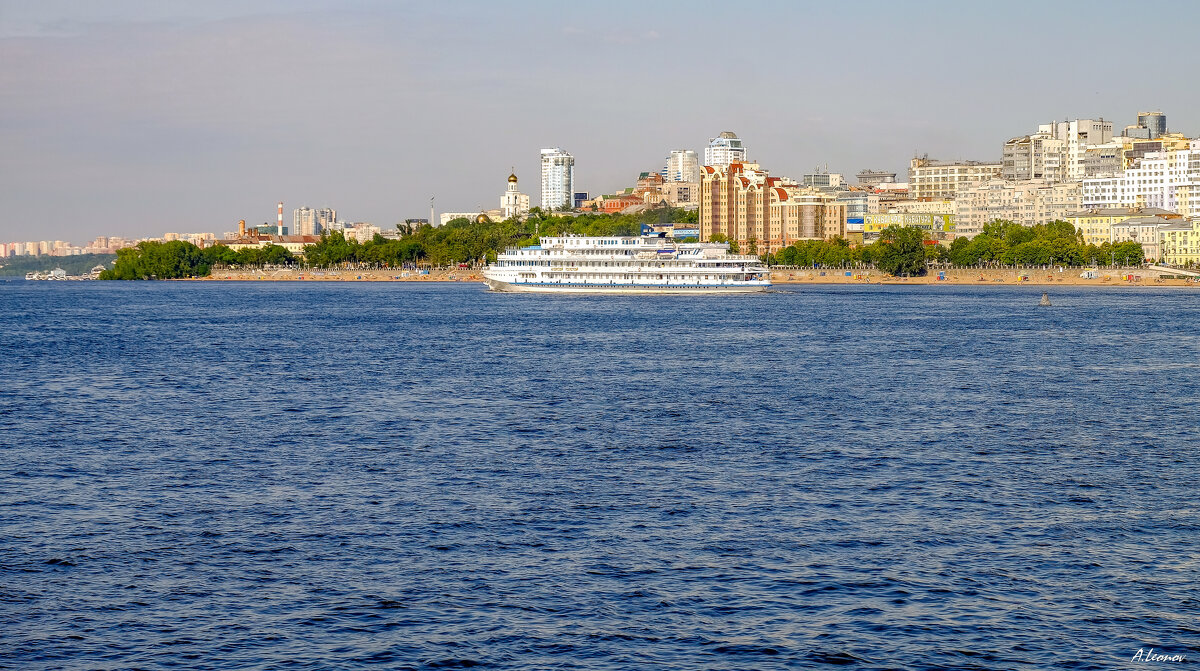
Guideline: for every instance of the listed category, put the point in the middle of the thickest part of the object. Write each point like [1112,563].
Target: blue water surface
[412,476]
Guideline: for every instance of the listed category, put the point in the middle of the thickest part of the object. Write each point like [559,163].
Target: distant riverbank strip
[973,276]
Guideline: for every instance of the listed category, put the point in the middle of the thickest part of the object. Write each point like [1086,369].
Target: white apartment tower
[682,166]
[1077,135]
[326,218]
[558,178]
[307,221]
[724,149]
[304,221]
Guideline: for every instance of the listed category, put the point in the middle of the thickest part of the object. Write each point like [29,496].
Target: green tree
[963,252]
[937,253]
[158,260]
[1128,253]
[901,251]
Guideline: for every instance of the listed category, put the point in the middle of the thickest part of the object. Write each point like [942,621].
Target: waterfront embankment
[999,276]
[992,276]
[376,275]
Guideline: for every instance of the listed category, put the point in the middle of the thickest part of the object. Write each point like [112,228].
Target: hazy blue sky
[136,117]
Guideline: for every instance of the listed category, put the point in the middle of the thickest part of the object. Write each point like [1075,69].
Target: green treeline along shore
[898,251]
[80,264]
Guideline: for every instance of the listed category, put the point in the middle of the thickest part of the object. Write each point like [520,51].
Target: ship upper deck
[622,247]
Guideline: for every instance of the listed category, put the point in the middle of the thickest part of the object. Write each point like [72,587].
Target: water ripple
[420,476]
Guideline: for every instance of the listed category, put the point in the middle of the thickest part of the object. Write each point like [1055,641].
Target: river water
[404,475]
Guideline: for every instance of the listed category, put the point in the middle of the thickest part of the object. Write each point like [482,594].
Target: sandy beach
[1068,276]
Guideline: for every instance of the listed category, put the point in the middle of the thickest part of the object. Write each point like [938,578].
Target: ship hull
[583,288]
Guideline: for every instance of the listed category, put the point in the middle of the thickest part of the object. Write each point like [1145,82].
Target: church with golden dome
[513,203]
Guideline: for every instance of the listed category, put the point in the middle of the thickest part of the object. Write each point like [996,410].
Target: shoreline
[1118,277]
[1006,277]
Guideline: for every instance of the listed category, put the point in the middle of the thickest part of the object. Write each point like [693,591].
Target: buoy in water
[1045,302]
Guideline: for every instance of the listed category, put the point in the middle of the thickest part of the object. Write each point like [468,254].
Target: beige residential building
[1180,243]
[1135,149]
[1187,199]
[1102,160]
[910,206]
[1028,203]
[1037,156]
[764,214]
[942,180]
[1096,225]
[293,243]
[1144,230]
[681,194]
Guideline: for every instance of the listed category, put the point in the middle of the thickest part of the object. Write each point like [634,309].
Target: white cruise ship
[645,264]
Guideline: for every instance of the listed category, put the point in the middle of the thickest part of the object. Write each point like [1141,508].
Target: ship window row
[611,276]
[654,263]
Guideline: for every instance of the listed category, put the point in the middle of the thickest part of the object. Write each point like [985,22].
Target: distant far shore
[1006,276]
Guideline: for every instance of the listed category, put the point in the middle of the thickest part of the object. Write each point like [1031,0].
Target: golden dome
[513,178]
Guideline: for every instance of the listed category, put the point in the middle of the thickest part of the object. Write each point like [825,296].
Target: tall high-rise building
[724,149]
[1078,135]
[558,178]
[304,221]
[326,218]
[682,166]
[307,221]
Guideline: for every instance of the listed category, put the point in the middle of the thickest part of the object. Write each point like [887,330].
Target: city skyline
[137,117]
